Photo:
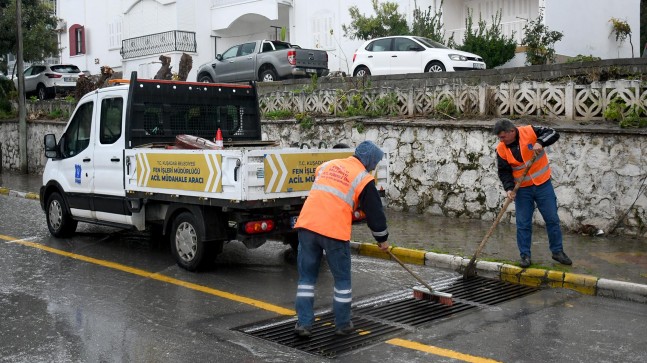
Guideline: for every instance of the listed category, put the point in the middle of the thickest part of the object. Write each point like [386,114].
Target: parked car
[264,60]
[410,54]
[48,80]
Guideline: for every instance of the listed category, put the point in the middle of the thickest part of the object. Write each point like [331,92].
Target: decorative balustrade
[170,41]
[568,101]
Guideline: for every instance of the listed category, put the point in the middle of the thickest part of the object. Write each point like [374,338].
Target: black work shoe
[349,329]
[525,261]
[302,331]
[562,258]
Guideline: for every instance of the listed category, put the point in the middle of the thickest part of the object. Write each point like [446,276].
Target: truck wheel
[59,222]
[269,75]
[205,78]
[187,243]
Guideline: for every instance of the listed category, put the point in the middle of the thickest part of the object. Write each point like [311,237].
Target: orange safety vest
[539,172]
[334,196]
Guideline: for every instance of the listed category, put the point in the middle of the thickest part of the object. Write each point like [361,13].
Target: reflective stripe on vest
[348,197]
[539,172]
[334,195]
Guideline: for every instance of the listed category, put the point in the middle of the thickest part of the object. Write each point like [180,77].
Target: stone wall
[448,168]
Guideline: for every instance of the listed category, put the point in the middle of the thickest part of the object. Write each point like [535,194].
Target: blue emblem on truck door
[77,173]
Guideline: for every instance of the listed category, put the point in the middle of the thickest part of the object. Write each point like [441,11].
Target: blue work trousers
[544,197]
[311,247]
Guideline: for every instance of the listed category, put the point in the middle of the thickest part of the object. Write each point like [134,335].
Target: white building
[130,35]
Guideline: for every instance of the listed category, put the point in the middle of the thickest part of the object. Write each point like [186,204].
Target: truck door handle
[370,56]
[116,160]
[394,56]
[231,61]
[86,160]
[249,57]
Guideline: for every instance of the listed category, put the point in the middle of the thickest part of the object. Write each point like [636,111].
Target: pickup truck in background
[119,162]
[264,60]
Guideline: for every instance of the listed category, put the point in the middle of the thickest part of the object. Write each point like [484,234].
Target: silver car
[48,80]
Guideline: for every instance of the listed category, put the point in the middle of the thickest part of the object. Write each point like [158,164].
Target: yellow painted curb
[532,277]
[4,191]
[584,284]
[371,250]
[408,255]
[555,278]
[33,196]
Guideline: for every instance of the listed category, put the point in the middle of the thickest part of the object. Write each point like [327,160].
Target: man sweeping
[515,150]
[325,224]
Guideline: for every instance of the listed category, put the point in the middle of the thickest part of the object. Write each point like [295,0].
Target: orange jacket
[333,198]
[539,172]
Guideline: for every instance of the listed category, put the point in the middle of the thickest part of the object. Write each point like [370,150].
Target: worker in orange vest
[516,147]
[325,224]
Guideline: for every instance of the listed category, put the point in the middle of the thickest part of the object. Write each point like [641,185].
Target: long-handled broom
[470,269]
[440,297]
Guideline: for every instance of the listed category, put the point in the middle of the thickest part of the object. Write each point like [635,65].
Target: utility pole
[22,112]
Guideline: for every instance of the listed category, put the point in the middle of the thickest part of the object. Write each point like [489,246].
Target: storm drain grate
[380,317]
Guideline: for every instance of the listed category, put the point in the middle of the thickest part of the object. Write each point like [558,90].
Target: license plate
[311,70]
[69,79]
[479,66]
[293,221]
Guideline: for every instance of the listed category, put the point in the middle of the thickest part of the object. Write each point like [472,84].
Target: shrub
[488,41]
[540,41]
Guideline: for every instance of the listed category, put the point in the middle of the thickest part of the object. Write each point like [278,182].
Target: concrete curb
[584,284]
[13,193]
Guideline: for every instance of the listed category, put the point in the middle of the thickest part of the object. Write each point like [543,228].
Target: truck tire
[269,75]
[187,243]
[205,78]
[59,221]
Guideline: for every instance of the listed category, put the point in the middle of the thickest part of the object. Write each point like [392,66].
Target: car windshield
[66,68]
[430,43]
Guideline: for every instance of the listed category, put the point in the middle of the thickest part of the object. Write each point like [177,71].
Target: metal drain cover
[382,317]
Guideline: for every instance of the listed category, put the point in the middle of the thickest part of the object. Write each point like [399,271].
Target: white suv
[410,54]
[47,80]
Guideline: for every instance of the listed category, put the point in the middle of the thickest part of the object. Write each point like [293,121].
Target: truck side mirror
[219,57]
[51,151]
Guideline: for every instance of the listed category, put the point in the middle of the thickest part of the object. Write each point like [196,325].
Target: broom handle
[503,209]
[411,272]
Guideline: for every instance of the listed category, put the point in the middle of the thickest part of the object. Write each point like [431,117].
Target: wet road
[113,296]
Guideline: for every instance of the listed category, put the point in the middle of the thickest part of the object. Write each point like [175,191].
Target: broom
[440,297]
[470,270]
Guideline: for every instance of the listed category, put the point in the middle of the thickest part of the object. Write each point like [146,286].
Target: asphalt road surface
[107,295]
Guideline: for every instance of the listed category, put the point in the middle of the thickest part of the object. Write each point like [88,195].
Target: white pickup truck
[118,163]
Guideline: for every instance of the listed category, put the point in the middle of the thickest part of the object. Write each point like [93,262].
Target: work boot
[302,331]
[525,261]
[562,258]
[349,329]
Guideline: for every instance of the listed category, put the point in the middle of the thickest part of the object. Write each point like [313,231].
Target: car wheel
[59,222]
[189,249]
[205,78]
[41,92]
[269,75]
[435,66]
[362,72]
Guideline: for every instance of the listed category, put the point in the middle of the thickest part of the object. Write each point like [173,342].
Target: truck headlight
[457,57]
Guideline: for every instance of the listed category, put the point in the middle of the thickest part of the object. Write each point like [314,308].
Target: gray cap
[369,154]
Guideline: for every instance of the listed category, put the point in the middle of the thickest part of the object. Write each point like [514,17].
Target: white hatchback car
[410,54]
[47,80]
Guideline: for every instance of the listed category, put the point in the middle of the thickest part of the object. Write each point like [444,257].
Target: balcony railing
[507,29]
[171,41]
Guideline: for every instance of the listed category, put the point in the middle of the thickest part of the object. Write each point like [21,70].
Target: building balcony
[160,43]
[226,12]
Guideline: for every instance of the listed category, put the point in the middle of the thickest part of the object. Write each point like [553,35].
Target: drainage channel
[379,318]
